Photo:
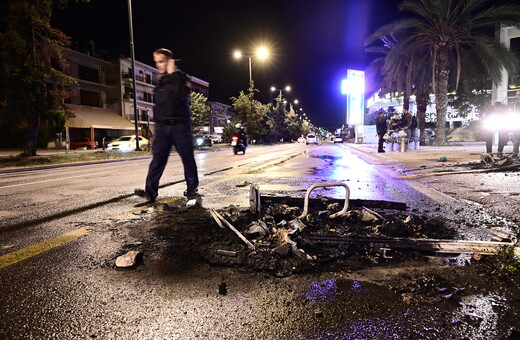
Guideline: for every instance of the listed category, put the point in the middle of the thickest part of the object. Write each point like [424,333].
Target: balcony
[144,78]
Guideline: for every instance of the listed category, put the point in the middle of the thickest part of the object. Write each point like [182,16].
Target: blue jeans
[176,135]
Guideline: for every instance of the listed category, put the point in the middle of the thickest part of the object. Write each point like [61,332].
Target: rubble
[226,253]
[222,288]
[490,162]
[275,239]
[130,259]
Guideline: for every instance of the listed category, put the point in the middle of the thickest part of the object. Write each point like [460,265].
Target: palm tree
[402,72]
[450,32]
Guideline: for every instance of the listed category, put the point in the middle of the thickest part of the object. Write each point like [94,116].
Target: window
[88,74]
[89,98]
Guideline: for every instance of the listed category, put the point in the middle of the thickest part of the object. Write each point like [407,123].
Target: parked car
[84,143]
[104,141]
[202,140]
[301,139]
[216,138]
[127,143]
[311,139]
[338,139]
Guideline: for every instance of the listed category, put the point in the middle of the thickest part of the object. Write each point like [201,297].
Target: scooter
[238,145]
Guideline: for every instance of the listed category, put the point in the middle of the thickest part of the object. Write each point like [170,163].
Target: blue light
[344,86]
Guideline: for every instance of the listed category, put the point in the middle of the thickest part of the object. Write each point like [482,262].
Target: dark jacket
[242,135]
[406,121]
[172,98]
[381,125]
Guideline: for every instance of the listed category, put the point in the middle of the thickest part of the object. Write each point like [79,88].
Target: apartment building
[220,115]
[102,103]
[94,112]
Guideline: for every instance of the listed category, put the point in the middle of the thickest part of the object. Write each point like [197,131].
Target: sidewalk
[428,156]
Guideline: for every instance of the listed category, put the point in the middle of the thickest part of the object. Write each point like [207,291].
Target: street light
[262,53]
[286,89]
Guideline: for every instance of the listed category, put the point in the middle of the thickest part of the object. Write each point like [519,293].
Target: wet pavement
[75,292]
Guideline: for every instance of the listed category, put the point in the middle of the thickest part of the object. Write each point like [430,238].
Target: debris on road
[222,288]
[316,235]
[216,215]
[130,259]
[491,162]
[245,184]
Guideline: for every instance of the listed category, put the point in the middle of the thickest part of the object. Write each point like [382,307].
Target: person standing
[173,128]
[381,125]
[406,122]
[494,116]
[394,122]
[516,135]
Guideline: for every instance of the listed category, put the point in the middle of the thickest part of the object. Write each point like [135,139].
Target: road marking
[55,179]
[38,248]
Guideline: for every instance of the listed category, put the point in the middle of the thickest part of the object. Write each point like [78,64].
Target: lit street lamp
[286,89]
[262,54]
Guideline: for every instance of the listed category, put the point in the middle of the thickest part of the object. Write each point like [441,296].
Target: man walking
[172,116]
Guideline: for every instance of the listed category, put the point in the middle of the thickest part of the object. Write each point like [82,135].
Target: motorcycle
[238,145]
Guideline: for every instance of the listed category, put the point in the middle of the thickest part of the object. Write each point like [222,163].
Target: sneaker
[195,200]
[191,193]
[380,151]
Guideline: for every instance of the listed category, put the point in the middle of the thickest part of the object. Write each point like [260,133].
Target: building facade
[220,115]
[102,103]
[93,111]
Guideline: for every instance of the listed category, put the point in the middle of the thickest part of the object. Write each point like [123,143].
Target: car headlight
[200,141]
[125,147]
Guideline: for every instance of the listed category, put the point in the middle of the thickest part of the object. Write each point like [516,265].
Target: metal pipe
[314,186]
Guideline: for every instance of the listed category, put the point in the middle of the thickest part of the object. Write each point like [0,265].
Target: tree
[199,109]
[453,31]
[305,127]
[292,122]
[32,84]
[252,114]
[399,70]
[280,130]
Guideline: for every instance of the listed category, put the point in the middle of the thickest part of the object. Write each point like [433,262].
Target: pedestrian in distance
[494,116]
[394,122]
[406,122]
[173,128]
[381,129]
[516,134]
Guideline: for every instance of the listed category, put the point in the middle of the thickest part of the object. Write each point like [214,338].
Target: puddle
[345,309]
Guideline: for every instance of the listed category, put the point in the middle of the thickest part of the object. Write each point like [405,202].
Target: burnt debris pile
[278,238]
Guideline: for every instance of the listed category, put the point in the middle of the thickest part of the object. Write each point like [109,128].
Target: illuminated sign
[354,88]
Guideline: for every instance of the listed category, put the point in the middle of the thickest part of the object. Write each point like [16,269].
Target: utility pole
[132,54]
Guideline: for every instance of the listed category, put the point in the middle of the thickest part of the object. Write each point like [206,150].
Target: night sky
[312,42]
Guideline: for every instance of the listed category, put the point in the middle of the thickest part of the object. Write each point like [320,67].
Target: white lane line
[55,179]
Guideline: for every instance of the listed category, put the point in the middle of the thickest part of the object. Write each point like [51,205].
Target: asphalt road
[71,290]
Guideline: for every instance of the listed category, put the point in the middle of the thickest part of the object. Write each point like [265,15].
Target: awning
[383,102]
[91,117]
